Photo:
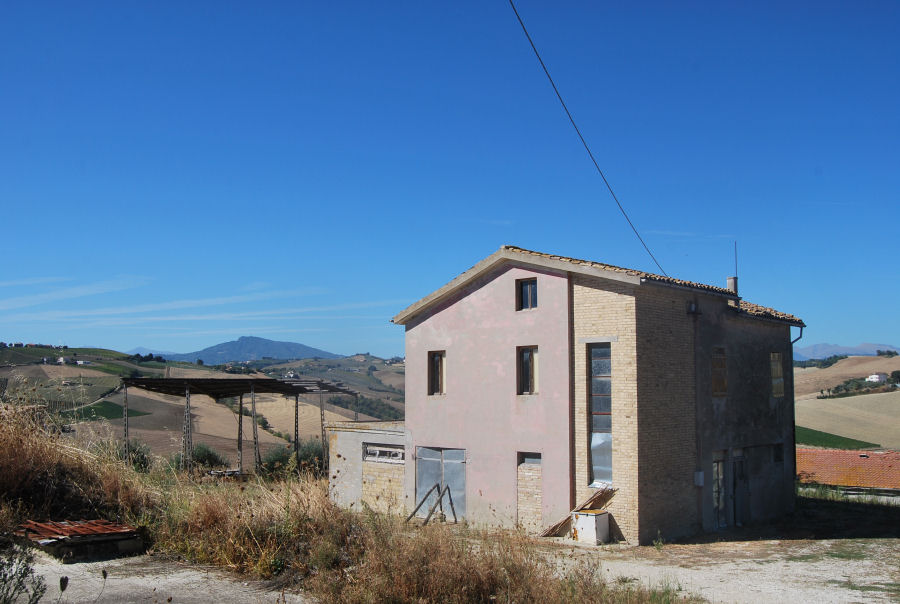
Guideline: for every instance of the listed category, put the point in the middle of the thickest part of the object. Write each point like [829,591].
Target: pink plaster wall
[480,411]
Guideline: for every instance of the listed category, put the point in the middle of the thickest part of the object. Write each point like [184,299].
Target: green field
[815,438]
[62,393]
[100,410]
[20,356]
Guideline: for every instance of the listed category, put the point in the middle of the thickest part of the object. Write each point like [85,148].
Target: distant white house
[878,378]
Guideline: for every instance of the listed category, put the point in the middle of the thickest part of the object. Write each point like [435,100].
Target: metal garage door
[445,467]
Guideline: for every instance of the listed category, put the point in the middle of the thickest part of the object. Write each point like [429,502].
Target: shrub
[203,456]
[139,456]
[277,460]
[206,456]
[18,583]
[281,460]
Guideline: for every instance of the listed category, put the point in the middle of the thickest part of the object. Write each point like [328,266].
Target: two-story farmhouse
[533,380]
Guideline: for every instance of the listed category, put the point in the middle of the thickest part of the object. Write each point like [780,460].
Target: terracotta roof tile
[751,309]
[838,467]
[627,271]
[769,313]
[512,251]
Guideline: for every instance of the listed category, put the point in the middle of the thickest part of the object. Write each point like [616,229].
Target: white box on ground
[590,526]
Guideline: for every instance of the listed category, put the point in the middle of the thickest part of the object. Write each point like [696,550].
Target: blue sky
[174,175]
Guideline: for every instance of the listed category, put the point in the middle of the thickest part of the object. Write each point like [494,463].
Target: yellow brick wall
[528,495]
[382,486]
[601,309]
[668,502]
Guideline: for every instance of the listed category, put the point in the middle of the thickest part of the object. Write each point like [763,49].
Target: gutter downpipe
[794,414]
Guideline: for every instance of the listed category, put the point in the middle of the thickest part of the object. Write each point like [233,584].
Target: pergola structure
[219,388]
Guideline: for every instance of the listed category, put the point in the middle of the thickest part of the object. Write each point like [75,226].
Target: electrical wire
[583,142]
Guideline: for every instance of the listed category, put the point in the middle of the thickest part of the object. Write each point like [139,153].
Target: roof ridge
[630,271]
[509,252]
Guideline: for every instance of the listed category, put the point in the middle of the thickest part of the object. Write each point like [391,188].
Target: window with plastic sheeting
[600,389]
[383,453]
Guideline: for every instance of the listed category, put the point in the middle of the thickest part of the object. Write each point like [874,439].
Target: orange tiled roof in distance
[838,467]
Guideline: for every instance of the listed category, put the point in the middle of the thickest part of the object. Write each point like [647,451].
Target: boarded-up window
[600,388]
[777,374]
[719,372]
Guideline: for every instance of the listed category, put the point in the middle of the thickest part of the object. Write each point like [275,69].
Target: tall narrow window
[777,374]
[526,361]
[526,294]
[719,501]
[600,367]
[436,372]
[719,372]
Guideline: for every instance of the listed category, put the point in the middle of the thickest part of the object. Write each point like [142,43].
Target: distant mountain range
[822,351]
[249,348]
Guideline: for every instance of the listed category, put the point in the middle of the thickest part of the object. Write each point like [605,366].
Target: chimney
[732,285]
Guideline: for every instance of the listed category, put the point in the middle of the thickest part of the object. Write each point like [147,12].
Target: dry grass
[287,529]
[45,476]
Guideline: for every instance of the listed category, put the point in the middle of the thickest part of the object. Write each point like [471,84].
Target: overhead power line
[583,142]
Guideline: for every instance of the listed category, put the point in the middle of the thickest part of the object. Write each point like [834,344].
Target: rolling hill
[869,417]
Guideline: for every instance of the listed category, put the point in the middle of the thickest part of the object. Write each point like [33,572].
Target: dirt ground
[754,571]
[868,417]
[152,579]
[810,380]
[279,411]
[825,552]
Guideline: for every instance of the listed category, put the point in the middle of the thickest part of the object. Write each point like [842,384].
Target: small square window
[526,363]
[436,362]
[526,294]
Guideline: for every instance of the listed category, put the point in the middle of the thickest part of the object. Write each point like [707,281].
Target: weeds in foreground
[18,583]
[288,530]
